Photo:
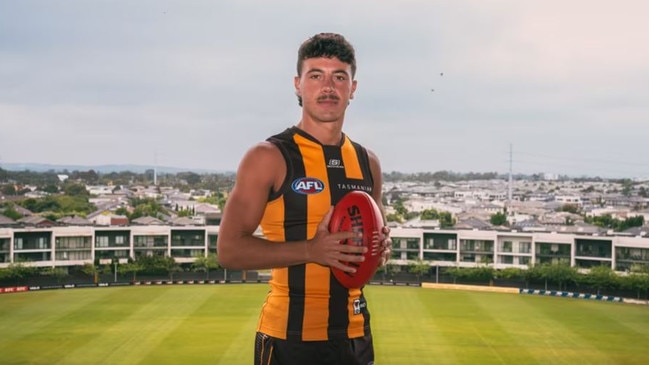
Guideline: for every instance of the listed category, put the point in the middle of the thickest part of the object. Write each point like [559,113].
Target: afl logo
[307,185]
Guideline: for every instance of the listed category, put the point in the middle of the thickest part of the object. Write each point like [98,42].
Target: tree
[637,221]
[429,214]
[145,207]
[570,208]
[18,271]
[481,274]
[393,217]
[636,281]
[589,189]
[73,189]
[133,267]
[560,273]
[57,272]
[643,192]
[511,273]
[50,188]
[627,187]
[601,277]
[171,266]
[206,263]
[533,274]
[184,213]
[399,207]
[484,274]
[388,269]
[11,212]
[121,211]
[455,273]
[419,268]
[190,177]
[446,220]
[90,270]
[498,219]
[8,189]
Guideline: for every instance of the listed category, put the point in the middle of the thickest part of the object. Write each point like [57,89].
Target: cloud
[195,83]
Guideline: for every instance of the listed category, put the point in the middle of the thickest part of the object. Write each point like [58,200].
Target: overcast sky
[442,85]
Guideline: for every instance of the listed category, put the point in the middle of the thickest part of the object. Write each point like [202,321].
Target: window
[506,259]
[507,246]
[525,247]
[120,240]
[18,243]
[102,241]
[412,243]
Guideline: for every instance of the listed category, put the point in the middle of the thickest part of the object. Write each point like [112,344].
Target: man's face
[326,86]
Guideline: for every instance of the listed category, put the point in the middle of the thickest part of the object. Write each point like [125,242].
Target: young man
[308,317]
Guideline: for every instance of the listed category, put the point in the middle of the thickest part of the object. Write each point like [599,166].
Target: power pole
[509,188]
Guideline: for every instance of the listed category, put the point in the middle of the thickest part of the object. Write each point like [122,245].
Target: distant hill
[37,167]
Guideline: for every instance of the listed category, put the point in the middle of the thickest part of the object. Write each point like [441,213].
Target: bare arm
[377,194]
[261,169]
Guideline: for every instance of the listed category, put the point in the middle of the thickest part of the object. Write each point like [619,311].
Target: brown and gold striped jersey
[306,302]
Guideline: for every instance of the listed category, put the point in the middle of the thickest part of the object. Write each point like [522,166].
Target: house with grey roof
[473,223]
[22,211]
[36,221]
[184,221]
[147,221]
[74,221]
[6,221]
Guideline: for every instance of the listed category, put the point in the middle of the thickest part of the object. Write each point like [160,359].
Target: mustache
[328,96]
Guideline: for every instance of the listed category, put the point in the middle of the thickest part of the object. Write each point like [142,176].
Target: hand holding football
[358,212]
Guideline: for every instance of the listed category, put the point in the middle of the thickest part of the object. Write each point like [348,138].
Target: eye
[341,78]
[314,76]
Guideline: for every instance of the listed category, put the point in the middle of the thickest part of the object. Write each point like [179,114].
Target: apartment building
[60,246]
[503,249]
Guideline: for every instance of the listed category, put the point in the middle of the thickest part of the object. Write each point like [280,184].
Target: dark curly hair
[326,45]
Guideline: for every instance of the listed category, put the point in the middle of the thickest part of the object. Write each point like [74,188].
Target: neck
[325,133]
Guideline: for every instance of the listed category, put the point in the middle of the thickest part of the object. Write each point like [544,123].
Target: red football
[357,211]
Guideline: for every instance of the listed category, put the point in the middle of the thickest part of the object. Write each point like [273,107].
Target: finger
[387,243]
[352,249]
[351,258]
[346,235]
[324,223]
[387,253]
[344,267]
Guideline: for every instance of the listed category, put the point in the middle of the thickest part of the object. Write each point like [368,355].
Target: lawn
[214,324]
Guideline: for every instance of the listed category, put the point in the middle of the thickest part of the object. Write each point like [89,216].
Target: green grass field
[214,324]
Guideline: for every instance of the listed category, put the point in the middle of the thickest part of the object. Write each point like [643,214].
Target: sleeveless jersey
[306,302]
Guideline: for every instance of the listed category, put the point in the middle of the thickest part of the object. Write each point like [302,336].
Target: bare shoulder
[258,170]
[377,175]
[263,150]
[375,163]
[260,155]
[374,158]
[263,163]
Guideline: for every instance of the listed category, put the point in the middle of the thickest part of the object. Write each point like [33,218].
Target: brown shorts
[275,351]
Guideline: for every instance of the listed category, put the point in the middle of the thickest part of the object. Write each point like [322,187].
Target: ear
[353,89]
[296,84]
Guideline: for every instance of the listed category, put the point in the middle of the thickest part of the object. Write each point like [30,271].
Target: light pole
[115,264]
